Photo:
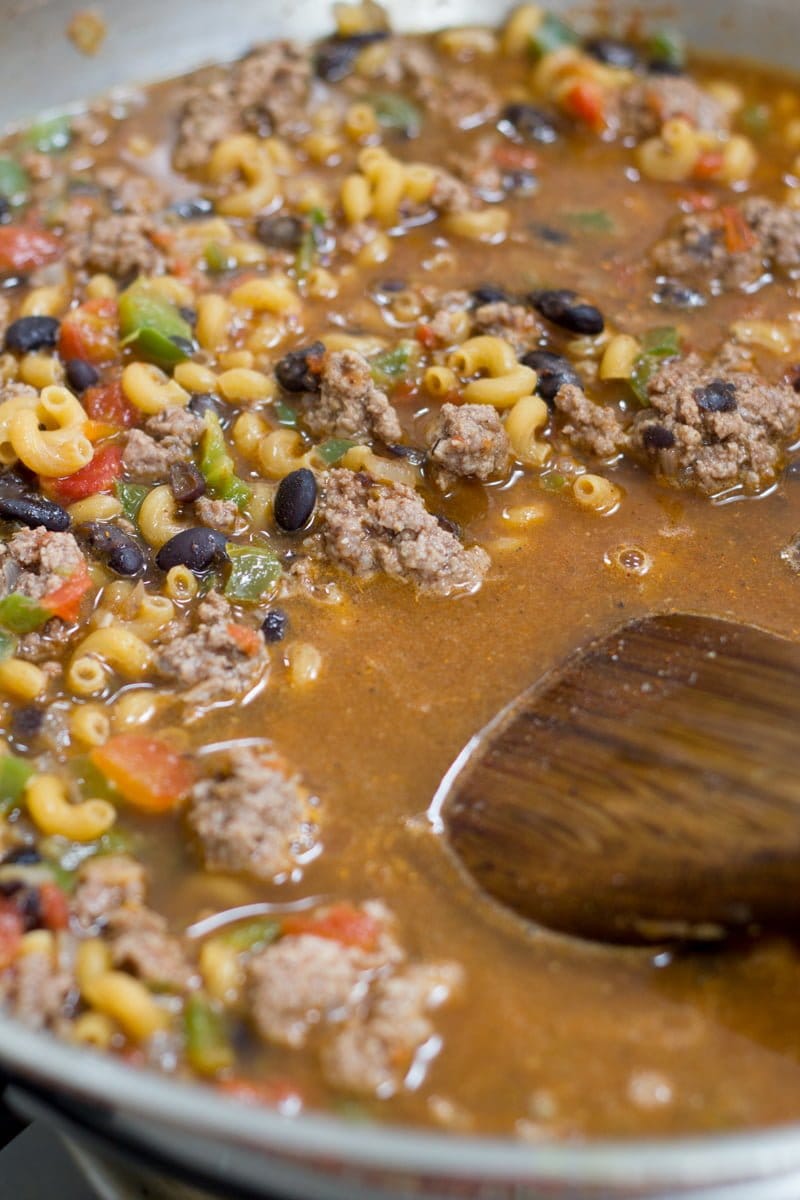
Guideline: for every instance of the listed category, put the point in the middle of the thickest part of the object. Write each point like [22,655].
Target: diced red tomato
[708,165]
[149,774]
[405,391]
[99,475]
[510,157]
[341,923]
[54,906]
[738,234]
[11,928]
[271,1092]
[426,336]
[586,100]
[248,640]
[107,402]
[90,332]
[22,248]
[65,601]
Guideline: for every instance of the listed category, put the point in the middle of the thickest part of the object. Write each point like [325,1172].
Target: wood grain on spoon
[648,789]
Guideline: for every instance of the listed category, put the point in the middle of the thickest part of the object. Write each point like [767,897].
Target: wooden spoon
[647,790]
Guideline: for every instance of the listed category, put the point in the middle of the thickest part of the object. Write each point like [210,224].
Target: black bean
[195,206]
[32,333]
[614,52]
[17,482]
[549,234]
[658,437]
[199,549]
[335,57]
[717,396]
[189,314]
[412,454]
[393,285]
[529,122]
[274,625]
[565,309]
[672,294]
[5,211]
[186,482]
[81,374]
[449,526]
[34,511]
[281,232]
[26,721]
[487,293]
[118,550]
[22,856]
[664,66]
[298,371]
[203,402]
[28,904]
[295,500]
[553,371]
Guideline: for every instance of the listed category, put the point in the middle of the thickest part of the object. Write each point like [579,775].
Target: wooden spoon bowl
[647,790]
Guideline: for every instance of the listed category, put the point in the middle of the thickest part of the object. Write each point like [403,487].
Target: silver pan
[189,1131]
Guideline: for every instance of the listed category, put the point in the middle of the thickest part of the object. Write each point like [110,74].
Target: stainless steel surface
[318,1157]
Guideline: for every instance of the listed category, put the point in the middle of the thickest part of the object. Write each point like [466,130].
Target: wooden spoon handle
[651,788]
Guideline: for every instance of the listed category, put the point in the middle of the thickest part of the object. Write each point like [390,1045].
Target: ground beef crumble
[367,1011]
[39,989]
[167,438]
[369,527]
[117,245]
[222,515]
[593,429]
[252,816]
[36,561]
[348,404]
[469,440]
[644,106]
[265,92]
[372,1053]
[514,322]
[711,429]
[732,247]
[206,662]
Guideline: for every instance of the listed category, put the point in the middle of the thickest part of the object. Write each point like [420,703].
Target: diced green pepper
[208,1046]
[14,182]
[65,878]
[595,220]
[667,46]
[8,644]
[394,364]
[756,119]
[217,466]
[14,774]
[552,34]
[20,614]
[552,481]
[254,572]
[49,135]
[657,344]
[218,259]
[309,246]
[131,496]
[152,326]
[258,932]
[286,414]
[396,113]
[334,449]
